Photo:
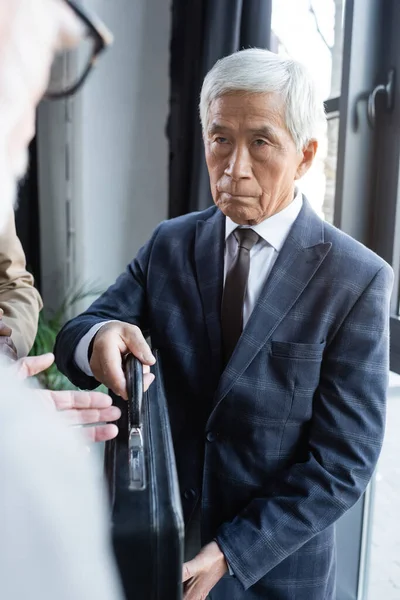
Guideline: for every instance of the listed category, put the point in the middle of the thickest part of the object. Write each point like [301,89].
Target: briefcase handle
[136,444]
[134,387]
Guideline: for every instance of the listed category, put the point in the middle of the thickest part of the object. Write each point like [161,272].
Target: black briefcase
[147,521]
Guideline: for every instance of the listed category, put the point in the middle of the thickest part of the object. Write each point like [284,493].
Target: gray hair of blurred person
[261,71]
[31,31]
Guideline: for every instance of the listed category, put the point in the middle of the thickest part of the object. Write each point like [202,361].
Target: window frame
[386,217]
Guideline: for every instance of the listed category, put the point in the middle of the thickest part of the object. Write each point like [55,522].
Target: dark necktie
[235,290]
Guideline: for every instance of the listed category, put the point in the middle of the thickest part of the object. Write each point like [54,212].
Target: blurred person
[20,304]
[273,332]
[21,87]
[20,301]
[54,536]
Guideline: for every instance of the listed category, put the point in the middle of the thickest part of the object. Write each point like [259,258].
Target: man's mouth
[236,196]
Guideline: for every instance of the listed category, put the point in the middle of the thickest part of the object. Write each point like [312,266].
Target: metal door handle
[388,90]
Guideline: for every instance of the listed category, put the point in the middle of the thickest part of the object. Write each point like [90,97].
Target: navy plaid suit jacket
[283,441]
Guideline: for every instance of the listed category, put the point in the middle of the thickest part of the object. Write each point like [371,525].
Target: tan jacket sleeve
[19,300]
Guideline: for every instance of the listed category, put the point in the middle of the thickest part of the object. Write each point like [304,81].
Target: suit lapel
[299,260]
[209,260]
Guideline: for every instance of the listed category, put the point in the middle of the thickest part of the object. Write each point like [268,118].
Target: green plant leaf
[48,328]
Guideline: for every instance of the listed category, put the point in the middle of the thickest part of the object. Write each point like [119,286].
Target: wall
[118,159]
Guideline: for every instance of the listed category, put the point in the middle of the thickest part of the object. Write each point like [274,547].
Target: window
[351,47]
[312,32]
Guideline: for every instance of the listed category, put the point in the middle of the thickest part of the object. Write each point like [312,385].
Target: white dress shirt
[273,233]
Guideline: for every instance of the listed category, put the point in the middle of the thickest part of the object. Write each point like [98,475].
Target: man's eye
[260,143]
[221,140]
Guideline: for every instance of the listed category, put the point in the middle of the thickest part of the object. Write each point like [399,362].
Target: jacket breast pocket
[298,367]
[313,352]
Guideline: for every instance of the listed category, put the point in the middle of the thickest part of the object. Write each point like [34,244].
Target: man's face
[31,31]
[251,157]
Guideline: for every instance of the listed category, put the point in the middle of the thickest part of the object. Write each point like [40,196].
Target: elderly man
[54,538]
[272,327]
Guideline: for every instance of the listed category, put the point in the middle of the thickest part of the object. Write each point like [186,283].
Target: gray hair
[261,71]
[30,30]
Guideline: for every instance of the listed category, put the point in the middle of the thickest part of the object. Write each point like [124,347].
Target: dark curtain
[202,32]
[27,216]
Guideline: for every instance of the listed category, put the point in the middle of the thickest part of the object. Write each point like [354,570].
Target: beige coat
[19,300]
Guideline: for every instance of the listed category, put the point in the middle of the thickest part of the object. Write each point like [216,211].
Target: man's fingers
[106,364]
[136,344]
[66,400]
[82,408]
[86,408]
[87,416]
[148,379]
[101,433]
[112,342]
[33,365]
[5,331]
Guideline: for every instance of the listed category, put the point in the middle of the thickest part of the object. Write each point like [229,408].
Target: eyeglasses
[71,68]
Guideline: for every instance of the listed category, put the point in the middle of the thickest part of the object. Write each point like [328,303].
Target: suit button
[189,494]
[211,436]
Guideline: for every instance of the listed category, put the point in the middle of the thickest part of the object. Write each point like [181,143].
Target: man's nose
[239,166]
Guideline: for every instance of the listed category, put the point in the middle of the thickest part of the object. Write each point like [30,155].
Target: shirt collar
[275,229]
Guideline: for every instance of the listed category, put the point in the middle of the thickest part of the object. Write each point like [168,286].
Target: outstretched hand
[80,408]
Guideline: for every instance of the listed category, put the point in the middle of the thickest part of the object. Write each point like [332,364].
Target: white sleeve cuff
[81,351]
[230,569]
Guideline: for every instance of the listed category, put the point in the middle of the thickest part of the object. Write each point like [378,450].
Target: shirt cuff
[81,352]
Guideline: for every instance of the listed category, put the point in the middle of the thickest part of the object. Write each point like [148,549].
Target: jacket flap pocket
[299,351]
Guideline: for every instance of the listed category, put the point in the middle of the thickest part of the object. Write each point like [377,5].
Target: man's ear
[308,154]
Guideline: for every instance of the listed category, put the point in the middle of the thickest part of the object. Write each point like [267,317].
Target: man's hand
[80,408]
[6,344]
[202,573]
[83,408]
[33,365]
[111,343]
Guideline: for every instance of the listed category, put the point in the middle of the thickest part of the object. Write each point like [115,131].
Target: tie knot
[246,237]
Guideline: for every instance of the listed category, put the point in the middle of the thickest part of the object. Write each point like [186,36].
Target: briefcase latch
[137,465]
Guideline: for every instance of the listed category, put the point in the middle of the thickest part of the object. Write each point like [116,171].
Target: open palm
[79,408]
